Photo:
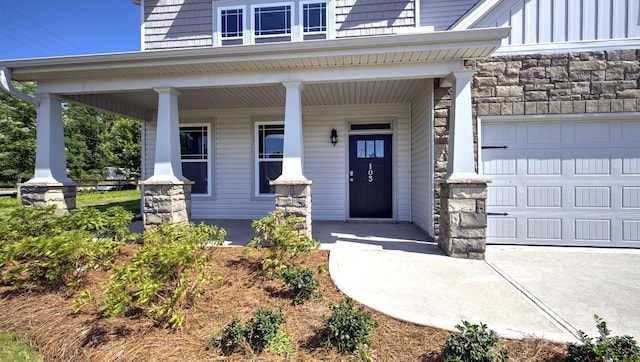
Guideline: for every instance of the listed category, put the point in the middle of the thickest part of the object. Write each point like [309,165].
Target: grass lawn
[15,349]
[129,199]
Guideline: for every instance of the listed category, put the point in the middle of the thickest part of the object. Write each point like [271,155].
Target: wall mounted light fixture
[334,137]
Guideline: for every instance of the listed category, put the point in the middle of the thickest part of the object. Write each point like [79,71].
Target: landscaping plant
[258,333]
[348,329]
[302,283]
[285,239]
[604,348]
[38,248]
[475,343]
[166,273]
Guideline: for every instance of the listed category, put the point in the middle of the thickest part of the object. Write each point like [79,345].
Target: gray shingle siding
[442,14]
[373,17]
[177,24]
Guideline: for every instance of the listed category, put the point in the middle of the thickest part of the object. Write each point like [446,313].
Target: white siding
[421,158]
[177,24]
[546,21]
[149,149]
[441,14]
[373,17]
[326,166]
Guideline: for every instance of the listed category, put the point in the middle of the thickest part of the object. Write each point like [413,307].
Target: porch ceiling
[273,95]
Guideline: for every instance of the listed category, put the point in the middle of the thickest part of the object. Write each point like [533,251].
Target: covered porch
[233,89]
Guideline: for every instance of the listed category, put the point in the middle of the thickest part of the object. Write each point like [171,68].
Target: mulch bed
[47,319]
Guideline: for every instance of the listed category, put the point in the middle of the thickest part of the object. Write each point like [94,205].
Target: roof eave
[28,69]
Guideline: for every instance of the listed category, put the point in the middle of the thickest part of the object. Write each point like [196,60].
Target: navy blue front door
[370,176]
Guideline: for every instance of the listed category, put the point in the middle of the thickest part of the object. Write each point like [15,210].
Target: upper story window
[231,25]
[314,20]
[238,23]
[272,23]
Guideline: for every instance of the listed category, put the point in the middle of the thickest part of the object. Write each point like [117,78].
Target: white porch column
[167,166]
[293,190]
[167,194]
[50,184]
[293,138]
[51,164]
[461,164]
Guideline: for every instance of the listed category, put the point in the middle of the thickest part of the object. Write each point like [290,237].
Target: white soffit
[375,50]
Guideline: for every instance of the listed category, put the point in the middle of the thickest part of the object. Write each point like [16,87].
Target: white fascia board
[315,75]
[475,14]
[489,37]
[572,46]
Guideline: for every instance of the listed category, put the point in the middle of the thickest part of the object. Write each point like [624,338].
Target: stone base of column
[166,202]
[463,218]
[62,195]
[294,198]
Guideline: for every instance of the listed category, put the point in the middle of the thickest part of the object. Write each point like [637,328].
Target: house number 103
[370,173]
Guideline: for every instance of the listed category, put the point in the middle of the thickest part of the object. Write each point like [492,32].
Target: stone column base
[166,202]
[294,198]
[463,218]
[62,195]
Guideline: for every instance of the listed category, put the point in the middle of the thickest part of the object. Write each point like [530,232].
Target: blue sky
[45,28]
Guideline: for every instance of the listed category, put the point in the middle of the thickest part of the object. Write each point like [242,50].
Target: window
[370,148]
[194,151]
[314,20]
[267,22]
[272,23]
[231,25]
[269,147]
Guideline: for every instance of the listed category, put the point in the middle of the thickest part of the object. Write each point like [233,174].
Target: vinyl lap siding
[373,17]
[325,165]
[177,24]
[546,21]
[421,159]
[441,14]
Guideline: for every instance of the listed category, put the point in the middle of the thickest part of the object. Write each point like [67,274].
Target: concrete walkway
[546,292]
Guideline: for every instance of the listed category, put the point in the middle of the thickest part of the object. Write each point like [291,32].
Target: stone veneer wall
[538,84]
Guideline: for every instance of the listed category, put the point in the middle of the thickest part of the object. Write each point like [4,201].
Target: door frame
[390,131]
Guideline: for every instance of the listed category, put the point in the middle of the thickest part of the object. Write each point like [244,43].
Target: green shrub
[258,333]
[41,221]
[56,261]
[285,239]
[233,335]
[27,222]
[475,343]
[166,274]
[605,348]
[347,329]
[39,248]
[302,283]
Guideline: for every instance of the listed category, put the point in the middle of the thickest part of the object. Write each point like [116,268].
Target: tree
[93,139]
[17,134]
[121,145]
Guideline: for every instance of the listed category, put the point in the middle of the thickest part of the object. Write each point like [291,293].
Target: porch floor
[338,234]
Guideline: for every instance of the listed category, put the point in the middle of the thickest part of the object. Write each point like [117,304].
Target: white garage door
[562,183]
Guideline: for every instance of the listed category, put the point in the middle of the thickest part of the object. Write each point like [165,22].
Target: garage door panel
[630,230]
[544,229]
[544,196]
[563,183]
[592,229]
[543,133]
[630,197]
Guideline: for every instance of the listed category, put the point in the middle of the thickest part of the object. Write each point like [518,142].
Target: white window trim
[256,158]
[292,21]
[249,26]
[209,157]
[218,19]
[330,18]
